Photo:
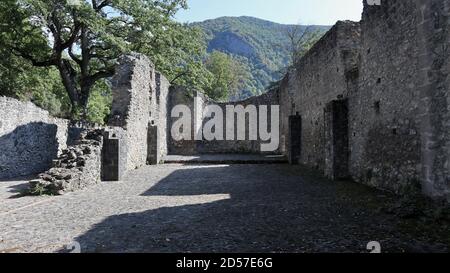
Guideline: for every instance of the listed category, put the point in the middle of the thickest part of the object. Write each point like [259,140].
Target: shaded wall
[433,19]
[386,147]
[402,105]
[158,129]
[325,74]
[29,138]
[180,96]
[391,69]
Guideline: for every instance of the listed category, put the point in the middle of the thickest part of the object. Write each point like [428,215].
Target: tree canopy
[60,54]
[82,40]
[229,76]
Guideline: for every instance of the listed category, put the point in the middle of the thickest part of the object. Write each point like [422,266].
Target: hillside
[262,45]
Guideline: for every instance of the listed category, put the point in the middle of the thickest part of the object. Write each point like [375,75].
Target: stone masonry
[29,138]
[139,112]
[131,109]
[78,167]
[369,102]
[181,96]
[389,73]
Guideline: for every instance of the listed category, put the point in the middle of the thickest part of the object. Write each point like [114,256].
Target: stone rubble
[78,167]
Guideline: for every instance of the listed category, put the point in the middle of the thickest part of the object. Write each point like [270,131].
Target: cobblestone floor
[226,159]
[214,208]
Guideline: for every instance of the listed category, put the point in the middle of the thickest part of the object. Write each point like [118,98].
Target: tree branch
[75,33]
[102,5]
[75,58]
[178,76]
[19,53]
[100,75]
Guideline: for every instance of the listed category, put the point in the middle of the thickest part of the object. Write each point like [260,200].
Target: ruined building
[372,99]
[369,102]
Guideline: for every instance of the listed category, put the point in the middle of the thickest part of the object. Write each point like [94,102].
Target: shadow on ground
[14,188]
[270,209]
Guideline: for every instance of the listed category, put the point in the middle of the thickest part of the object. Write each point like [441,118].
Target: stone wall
[138,115]
[157,137]
[433,83]
[133,85]
[401,106]
[370,101]
[29,138]
[180,96]
[325,74]
[386,146]
[388,75]
[79,166]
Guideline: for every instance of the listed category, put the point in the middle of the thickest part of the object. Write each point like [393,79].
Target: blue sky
[318,12]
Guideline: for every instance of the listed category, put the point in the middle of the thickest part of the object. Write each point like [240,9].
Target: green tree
[100,101]
[178,53]
[229,76]
[42,86]
[83,39]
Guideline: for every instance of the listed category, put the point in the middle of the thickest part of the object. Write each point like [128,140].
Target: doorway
[295,139]
[336,140]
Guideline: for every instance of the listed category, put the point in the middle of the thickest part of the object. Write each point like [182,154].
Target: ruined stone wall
[386,146]
[325,74]
[158,128]
[78,166]
[139,111]
[271,98]
[391,74]
[132,90]
[162,91]
[29,138]
[180,96]
[433,27]
[401,104]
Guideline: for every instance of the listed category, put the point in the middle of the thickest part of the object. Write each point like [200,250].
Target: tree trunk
[85,85]
[79,96]
[68,79]
[84,98]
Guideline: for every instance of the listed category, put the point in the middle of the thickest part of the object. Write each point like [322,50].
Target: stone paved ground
[226,159]
[213,208]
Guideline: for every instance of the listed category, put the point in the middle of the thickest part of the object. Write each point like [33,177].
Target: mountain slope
[261,45]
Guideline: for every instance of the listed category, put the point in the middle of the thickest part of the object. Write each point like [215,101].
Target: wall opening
[377,106]
[111,169]
[295,139]
[153,144]
[337,138]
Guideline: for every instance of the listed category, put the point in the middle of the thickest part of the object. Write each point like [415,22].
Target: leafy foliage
[83,39]
[100,102]
[42,86]
[229,74]
[60,54]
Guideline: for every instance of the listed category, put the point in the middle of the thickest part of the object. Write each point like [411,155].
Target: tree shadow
[29,149]
[251,210]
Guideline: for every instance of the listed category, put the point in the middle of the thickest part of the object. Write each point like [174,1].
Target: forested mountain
[262,46]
